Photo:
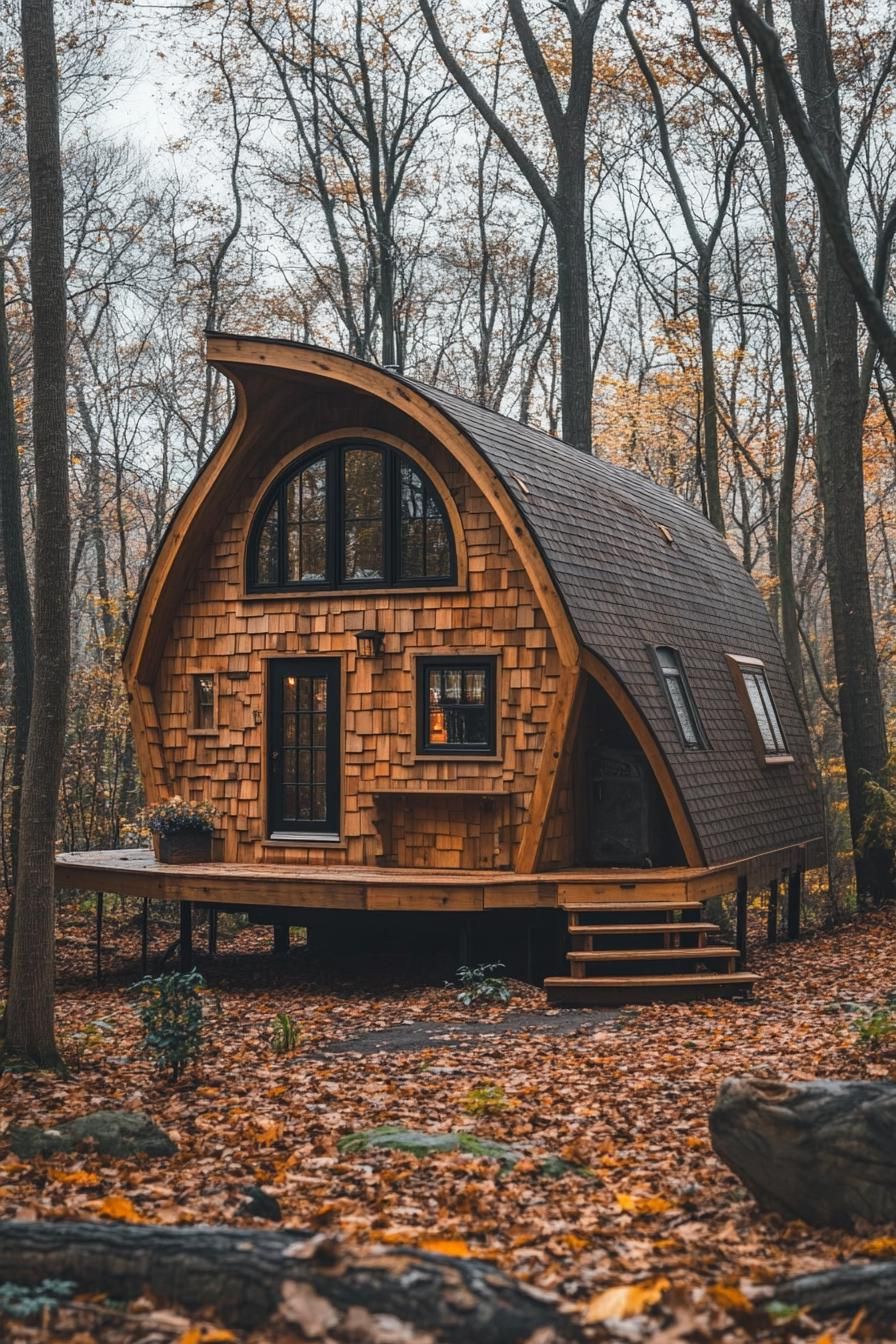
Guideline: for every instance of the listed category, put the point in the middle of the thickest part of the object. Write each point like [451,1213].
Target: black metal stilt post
[281,940]
[144,936]
[794,899]
[465,942]
[212,930]
[773,911]
[741,920]
[186,935]
[99,936]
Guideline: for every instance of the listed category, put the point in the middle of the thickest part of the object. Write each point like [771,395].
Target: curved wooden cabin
[423,658]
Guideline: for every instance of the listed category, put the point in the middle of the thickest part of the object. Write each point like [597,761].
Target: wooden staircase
[642,951]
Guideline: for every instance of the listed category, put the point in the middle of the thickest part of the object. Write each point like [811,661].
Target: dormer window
[760,710]
[355,515]
[672,676]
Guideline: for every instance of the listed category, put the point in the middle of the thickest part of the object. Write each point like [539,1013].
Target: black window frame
[334,579]
[280,827]
[665,675]
[458,662]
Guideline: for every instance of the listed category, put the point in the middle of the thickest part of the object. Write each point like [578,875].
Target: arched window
[356,514]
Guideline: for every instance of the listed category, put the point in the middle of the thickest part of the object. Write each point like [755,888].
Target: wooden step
[628,907]
[614,990]
[653,954]
[676,926]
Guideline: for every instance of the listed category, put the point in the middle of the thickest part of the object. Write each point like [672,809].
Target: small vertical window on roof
[760,710]
[678,692]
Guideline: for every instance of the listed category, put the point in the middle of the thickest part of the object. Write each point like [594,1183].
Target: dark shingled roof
[628,590]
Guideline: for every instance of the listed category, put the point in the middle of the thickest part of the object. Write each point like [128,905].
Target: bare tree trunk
[821,154]
[573,289]
[776,159]
[845,1290]
[564,202]
[30,1007]
[18,596]
[704,248]
[706,327]
[246,1276]
[841,478]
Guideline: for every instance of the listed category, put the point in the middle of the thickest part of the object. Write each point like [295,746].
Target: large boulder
[112,1133]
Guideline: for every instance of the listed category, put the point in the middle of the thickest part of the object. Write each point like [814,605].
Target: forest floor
[625,1095]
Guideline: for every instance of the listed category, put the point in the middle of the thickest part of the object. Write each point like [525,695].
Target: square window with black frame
[456,706]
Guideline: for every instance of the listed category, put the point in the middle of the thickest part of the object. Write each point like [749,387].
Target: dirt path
[412,1036]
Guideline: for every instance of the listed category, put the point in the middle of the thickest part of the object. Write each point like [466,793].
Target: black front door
[303,747]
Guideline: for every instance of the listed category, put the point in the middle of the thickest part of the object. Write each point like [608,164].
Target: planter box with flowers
[181,832]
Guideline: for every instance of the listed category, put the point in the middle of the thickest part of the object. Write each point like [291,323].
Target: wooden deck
[135,872]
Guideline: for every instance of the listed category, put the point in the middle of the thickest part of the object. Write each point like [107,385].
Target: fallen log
[821,1151]
[844,1290]
[246,1276]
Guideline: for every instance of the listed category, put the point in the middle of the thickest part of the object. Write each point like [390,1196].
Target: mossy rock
[421,1144]
[113,1133]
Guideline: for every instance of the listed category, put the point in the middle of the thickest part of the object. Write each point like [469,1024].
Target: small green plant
[26,1300]
[285,1034]
[170,1008]
[482,984]
[487,1099]
[876,1027]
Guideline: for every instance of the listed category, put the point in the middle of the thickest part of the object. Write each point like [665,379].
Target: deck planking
[136,872]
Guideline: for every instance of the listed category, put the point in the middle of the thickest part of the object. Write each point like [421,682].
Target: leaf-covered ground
[626,1097]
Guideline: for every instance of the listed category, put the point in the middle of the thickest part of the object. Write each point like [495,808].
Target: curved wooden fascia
[558,743]
[229,352]
[369,435]
[665,778]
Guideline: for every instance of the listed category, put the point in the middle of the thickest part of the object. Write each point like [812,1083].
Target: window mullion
[391,517]
[336,518]
[282,569]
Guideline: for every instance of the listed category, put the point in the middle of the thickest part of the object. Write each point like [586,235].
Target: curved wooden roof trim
[227,351]
[369,435]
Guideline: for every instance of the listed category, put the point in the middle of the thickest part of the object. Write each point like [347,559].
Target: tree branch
[832,201]
[528,169]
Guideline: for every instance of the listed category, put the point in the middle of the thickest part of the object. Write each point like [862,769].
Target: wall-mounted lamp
[370,643]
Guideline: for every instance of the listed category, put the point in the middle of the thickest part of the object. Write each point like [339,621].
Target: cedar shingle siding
[628,590]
